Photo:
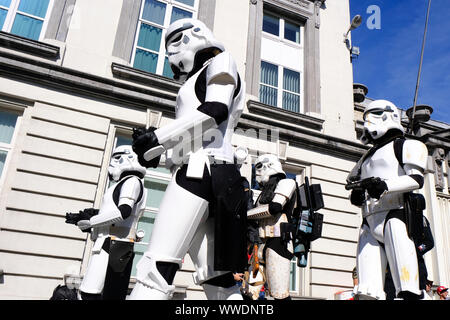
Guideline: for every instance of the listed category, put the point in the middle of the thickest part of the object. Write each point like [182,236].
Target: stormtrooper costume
[114,229]
[383,238]
[279,196]
[202,212]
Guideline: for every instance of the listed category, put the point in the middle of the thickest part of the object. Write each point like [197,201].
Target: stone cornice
[61,78]
[297,135]
[304,120]
[37,48]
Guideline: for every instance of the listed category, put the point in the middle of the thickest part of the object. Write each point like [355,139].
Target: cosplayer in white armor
[275,205]
[195,215]
[399,164]
[114,229]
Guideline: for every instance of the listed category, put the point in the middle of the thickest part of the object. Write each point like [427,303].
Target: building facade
[76,76]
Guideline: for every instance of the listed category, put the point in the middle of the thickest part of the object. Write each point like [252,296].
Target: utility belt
[386,203]
[197,161]
[271,227]
[120,233]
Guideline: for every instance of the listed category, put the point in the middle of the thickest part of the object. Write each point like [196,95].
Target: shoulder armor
[415,153]
[285,187]
[131,188]
[222,69]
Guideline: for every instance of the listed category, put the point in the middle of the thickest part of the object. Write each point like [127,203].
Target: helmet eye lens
[175,38]
[377,113]
[258,166]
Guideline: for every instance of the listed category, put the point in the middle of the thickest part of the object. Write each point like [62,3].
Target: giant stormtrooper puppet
[274,206]
[203,211]
[114,229]
[398,163]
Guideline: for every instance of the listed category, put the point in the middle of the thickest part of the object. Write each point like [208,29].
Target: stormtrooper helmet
[266,166]
[185,40]
[123,160]
[380,116]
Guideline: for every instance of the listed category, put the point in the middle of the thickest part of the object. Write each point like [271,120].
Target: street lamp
[356,22]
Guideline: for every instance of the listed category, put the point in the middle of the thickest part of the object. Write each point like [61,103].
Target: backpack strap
[398,150]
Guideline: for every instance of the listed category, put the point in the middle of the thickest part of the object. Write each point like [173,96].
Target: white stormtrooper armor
[383,235]
[122,206]
[278,253]
[209,104]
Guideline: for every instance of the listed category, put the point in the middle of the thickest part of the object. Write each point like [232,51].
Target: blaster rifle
[86,214]
[307,222]
[363,184]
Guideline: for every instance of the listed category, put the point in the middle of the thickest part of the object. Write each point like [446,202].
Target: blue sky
[389,57]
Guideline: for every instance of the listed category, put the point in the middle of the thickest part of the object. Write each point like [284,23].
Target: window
[280,27]
[293,276]
[280,87]
[8,122]
[155,16]
[155,181]
[281,74]
[25,18]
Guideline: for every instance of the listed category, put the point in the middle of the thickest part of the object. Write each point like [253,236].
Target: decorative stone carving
[438,161]
[301,3]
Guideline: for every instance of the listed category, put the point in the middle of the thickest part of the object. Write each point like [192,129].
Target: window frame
[170,4]
[9,147]
[13,10]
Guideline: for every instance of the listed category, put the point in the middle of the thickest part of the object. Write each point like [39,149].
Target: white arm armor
[129,194]
[415,155]
[221,80]
[284,191]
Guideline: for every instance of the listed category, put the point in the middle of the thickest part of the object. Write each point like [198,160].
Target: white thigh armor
[401,254]
[200,250]
[94,278]
[277,270]
[371,266]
